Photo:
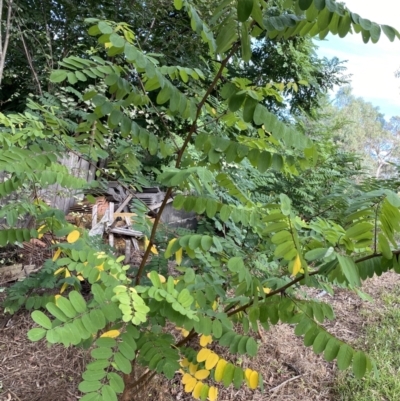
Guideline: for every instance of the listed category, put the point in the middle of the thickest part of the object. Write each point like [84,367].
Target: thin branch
[375,255]
[298,279]
[192,130]
[29,58]
[276,388]
[159,115]
[272,293]
[4,46]
[152,236]
[148,34]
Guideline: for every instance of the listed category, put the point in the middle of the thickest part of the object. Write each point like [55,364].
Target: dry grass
[36,372]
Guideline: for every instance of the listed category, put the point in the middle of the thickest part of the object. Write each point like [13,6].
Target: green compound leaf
[41,319]
[36,334]
[344,357]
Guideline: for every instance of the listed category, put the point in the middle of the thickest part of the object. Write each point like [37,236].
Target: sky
[372,65]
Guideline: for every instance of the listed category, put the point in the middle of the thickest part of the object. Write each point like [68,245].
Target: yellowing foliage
[63,288]
[185,378]
[219,370]
[202,374]
[205,340]
[184,363]
[253,380]
[212,393]
[296,265]
[57,254]
[60,270]
[190,384]
[203,354]
[197,390]
[153,248]
[41,231]
[247,374]
[212,360]
[73,236]
[185,332]
[178,256]
[193,368]
[111,334]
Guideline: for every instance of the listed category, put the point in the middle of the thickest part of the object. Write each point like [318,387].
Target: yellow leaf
[212,393]
[212,360]
[57,254]
[185,378]
[100,267]
[197,390]
[296,265]
[73,236]
[205,340]
[178,256]
[219,370]
[60,270]
[266,290]
[162,278]
[184,332]
[67,273]
[214,305]
[202,374]
[41,230]
[247,374]
[184,363]
[193,368]
[80,277]
[63,288]
[189,386]
[107,45]
[203,354]
[153,248]
[111,334]
[56,297]
[253,380]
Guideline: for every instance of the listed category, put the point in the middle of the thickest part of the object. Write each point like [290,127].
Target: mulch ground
[37,372]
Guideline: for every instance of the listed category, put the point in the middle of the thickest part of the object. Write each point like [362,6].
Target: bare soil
[36,372]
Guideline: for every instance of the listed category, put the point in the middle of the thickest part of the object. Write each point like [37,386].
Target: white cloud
[372,65]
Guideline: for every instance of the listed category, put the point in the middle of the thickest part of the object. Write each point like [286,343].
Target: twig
[192,130]
[159,115]
[4,46]
[149,32]
[275,389]
[30,62]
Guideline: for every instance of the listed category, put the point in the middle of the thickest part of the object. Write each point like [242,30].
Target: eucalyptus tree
[365,131]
